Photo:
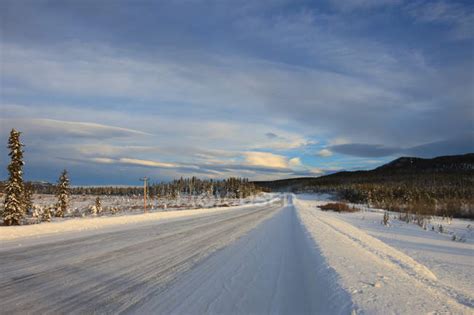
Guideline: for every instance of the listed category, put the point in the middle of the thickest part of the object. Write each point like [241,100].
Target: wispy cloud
[325,153]
[350,5]
[147,163]
[460,17]
[365,150]
[463,143]
[58,128]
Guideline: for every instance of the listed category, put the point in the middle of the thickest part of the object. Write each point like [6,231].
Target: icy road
[275,258]
[173,267]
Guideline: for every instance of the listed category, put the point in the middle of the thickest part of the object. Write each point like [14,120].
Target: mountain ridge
[402,168]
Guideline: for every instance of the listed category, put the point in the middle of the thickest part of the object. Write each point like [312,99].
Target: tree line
[233,187]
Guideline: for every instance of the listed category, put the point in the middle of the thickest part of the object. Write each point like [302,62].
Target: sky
[116,90]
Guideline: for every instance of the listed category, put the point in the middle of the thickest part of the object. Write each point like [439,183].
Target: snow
[114,271]
[381,277]
[9,233]
[275,269]
[279,256]
[451,261]
[80,205]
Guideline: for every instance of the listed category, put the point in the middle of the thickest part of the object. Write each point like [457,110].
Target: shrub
[47,214]
[385,219]
[338,207]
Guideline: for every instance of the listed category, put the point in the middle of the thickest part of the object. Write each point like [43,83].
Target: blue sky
[114,90]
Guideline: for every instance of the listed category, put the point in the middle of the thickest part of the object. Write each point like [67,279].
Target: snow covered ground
[84,205]
[397,269]
[94,224]
[283,256]
[81,204]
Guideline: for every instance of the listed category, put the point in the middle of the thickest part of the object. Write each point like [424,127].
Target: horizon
[263,91]
[152,182]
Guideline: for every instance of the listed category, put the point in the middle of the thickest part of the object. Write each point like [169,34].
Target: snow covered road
[275,269]
[114,271]
[282,257]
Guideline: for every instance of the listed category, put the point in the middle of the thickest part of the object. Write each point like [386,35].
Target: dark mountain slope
[442,185]
[401,169]
[439,164]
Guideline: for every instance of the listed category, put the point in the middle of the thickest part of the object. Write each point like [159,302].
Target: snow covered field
[400,268]
[281,256]
[93,224]
[82,205]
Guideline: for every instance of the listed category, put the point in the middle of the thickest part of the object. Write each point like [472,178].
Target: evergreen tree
[46,215]
[63,194]
[14,199]
[98,205]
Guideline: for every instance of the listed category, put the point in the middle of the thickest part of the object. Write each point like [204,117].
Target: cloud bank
[240,88]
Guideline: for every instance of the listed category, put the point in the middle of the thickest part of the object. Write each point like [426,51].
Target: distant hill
[402,169]
[440,186]
[439,164]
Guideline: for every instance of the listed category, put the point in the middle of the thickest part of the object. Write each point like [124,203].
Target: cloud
[325,153]
[265,159]
[139,162]
[350,5]
[291,166]
[459,145]
[457,15]
[254,165]
[104,149]
[103,160]
[295,163]
[368,83]
[80,69]
[147,163]
[386,82]
[182,135]
[339,140]
[364,150]
[59,128]
[271,135]
[282,143]
[272,77]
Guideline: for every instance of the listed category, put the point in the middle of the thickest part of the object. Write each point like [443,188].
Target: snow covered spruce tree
[63,194]
[98,205]
[14,209]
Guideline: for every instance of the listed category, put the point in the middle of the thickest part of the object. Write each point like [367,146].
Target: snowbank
[381,278]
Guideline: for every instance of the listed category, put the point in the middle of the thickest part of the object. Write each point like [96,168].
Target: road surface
[281,257]
[247,260]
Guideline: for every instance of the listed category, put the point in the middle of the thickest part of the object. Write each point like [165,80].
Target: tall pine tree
[14,192]
[63,194]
